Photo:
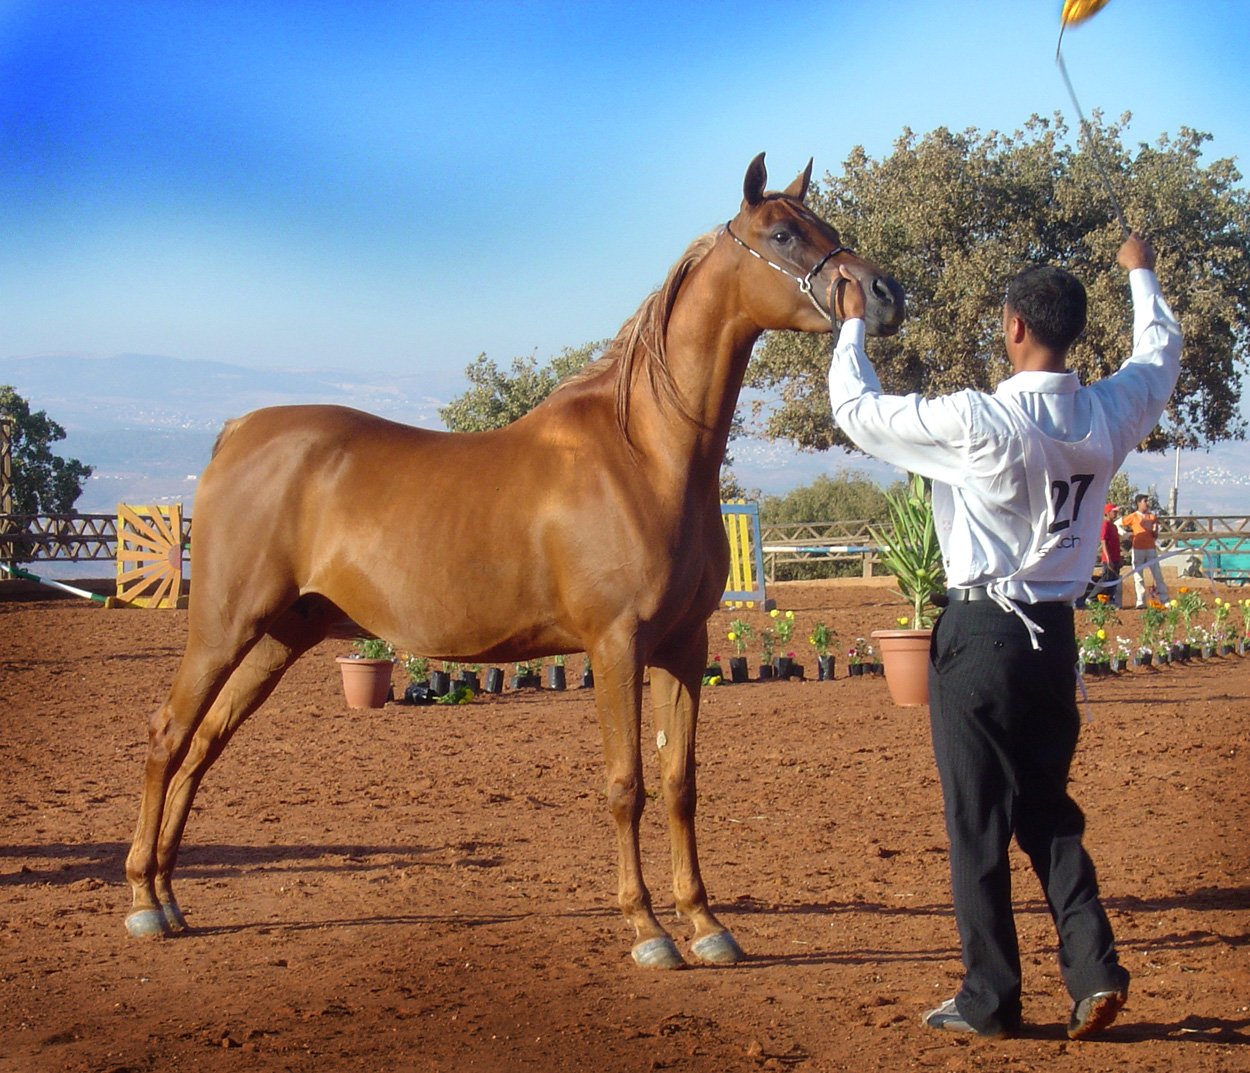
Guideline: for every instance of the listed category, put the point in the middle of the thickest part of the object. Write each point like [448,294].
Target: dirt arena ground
[434,888]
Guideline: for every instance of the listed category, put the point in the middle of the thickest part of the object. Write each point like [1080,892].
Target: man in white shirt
[1019,480]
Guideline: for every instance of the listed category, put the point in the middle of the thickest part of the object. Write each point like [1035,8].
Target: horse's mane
[641,340]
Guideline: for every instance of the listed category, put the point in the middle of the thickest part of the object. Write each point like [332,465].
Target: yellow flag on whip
[1075,11]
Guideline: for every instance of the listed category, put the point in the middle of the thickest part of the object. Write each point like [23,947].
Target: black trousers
[1005,723]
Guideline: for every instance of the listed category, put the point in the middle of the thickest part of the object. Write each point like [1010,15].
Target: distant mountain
[143,391]
[147,424]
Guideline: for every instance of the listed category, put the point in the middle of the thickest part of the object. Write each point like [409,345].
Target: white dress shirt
[972,445]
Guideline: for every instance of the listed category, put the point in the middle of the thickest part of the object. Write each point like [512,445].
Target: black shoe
[948,1018]
[1095,1012]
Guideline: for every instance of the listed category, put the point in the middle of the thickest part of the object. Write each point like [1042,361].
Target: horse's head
[793,256]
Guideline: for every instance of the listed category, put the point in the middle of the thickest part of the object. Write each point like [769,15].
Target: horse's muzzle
[885,306]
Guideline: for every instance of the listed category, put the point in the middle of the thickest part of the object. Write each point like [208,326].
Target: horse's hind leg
[182,751]
[676,679]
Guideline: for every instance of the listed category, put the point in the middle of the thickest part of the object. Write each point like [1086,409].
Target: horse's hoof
[174,920]
[658,953]
[147,924]
[720,948]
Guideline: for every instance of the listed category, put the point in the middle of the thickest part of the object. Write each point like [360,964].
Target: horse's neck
[708,346]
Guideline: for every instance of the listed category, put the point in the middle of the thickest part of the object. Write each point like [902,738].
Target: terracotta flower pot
[905,655]
[366,682]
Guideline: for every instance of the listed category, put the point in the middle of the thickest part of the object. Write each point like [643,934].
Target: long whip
[1077,11]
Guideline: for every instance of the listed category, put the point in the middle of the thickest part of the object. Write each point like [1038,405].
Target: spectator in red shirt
[1110,557]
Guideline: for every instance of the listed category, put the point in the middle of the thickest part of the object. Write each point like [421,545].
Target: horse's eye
[781,236]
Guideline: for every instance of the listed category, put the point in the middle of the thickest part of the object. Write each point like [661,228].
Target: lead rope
[804,282]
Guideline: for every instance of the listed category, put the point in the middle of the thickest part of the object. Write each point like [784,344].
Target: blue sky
[401,186]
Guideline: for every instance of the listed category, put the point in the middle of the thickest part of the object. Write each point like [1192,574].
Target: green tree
[955,215]
[43,483]
[849,497]
[496,398]
[1121,491]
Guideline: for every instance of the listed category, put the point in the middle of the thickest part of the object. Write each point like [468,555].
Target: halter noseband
[804,282]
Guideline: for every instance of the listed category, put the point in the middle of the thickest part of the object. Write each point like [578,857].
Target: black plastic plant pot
[825,668]
[738,669]
[556,678]
[440,683]
[494,680]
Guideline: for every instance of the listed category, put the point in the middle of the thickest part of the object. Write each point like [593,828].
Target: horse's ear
[798,188]
[753,184]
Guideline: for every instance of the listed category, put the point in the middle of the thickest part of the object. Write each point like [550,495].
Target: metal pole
[1176,483]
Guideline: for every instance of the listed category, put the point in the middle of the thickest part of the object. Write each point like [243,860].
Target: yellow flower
[903,620]
[731,635]
[1102,635]
[774,612]
[789,614]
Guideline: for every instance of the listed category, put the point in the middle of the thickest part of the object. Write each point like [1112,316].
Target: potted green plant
[911,552]
[366,673]
[767,639]
[820,639]
[556,677]
[783,665]
[418,689]
[740,635]
[440,681]
[526,677]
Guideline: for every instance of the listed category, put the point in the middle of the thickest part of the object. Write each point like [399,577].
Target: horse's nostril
[881,289]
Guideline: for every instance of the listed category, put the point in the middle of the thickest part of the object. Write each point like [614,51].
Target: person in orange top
[1143,523]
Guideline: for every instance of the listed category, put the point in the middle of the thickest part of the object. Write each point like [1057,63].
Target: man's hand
[846,296]
[1136,253]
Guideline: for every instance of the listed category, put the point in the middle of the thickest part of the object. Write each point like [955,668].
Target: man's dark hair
[1051,302]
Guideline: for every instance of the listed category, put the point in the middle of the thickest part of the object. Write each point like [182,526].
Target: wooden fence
[1218,541]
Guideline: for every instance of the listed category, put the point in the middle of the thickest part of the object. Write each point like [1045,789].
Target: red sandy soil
[434,888]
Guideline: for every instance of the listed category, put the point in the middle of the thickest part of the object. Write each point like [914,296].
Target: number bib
[1067,486]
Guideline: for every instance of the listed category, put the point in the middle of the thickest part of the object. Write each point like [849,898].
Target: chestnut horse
[612,544]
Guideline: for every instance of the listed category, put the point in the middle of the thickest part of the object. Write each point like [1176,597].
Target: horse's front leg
[676,680]
[618,699]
